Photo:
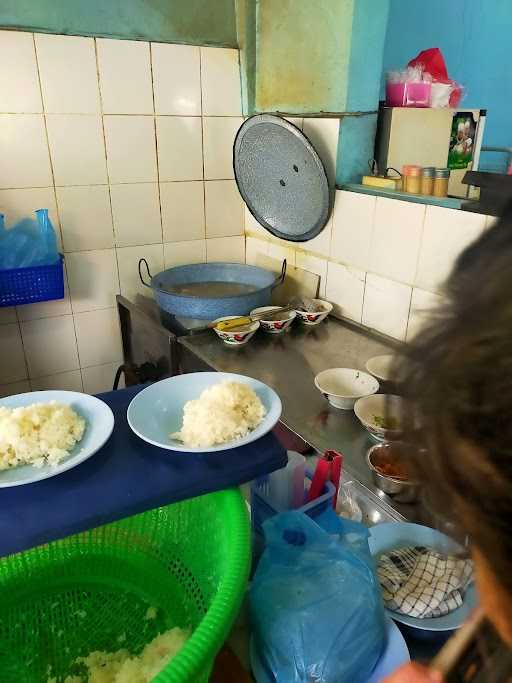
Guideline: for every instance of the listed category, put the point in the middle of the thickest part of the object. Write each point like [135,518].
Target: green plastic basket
[91,591]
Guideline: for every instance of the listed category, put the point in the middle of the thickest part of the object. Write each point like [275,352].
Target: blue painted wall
[367,46]
[475,37]
[199,22]
[355,147]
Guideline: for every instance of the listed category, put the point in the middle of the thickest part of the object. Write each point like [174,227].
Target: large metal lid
[281,178]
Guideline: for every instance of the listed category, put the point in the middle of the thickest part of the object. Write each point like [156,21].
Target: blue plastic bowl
[392,535]
[395,654]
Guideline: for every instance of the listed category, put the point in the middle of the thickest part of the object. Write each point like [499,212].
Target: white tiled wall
[129,146]
[381,261]
[324,133]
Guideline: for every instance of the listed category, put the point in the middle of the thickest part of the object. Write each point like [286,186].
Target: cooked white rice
[39,434]
[123,667]
[223,412]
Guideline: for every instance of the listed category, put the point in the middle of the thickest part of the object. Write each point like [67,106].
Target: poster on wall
[462,140]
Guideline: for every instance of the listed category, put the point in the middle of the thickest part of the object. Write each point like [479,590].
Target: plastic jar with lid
[427,180]
[441,176]
[411,178]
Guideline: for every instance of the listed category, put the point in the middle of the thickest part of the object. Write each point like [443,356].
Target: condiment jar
[441,176]
[427,180]
[411,178]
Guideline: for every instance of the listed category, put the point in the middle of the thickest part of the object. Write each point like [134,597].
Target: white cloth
[422,583]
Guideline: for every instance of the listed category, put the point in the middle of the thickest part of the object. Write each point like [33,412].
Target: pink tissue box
[408,94]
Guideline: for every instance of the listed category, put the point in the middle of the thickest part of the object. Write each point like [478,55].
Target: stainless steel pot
[402,490]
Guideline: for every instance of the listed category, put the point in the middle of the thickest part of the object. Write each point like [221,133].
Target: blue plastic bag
[49,252]
[28,243]
[315,601]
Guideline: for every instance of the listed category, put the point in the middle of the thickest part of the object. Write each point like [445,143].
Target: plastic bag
[346,503]
[28,243]
[49,252]
[315,603]
[445,91]
[423,83]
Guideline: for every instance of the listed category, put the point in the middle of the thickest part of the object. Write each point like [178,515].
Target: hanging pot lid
[281,178]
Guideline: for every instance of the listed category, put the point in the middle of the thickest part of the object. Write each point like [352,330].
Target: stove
[149,347]
[149,336]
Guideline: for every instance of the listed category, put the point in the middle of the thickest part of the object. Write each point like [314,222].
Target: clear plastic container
[262,509]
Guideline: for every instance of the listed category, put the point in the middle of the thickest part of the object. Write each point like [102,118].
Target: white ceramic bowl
[371,411]
[236,337]
[343,386]
[381,367]
[275,326]
[315,318]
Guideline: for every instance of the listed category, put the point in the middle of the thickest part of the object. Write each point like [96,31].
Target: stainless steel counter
[289,363]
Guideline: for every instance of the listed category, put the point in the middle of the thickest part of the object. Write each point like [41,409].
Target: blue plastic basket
[262,509]
[32,284]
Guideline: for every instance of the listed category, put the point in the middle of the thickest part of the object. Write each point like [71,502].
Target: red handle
[328,468]
[336,460]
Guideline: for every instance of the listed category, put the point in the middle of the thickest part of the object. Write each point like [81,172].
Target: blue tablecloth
[125,477]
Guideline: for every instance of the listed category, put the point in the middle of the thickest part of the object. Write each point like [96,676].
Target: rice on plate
[38,434]
[224,412]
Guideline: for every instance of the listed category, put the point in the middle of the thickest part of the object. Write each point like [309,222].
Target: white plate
[157,412]
[99,425]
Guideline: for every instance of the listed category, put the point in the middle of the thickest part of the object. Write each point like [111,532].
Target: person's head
[458,375]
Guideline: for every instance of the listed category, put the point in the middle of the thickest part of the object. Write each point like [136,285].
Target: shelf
[446,202]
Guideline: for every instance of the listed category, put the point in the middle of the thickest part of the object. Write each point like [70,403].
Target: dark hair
[457,374]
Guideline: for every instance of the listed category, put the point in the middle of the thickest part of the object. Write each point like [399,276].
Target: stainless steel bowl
[402,490]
